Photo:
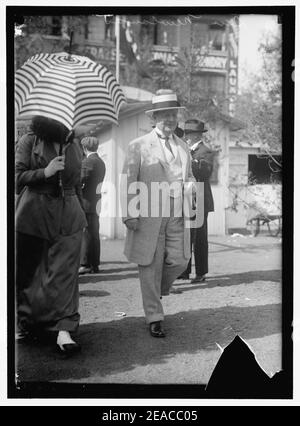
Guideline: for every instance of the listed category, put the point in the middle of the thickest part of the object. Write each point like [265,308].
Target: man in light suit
[158,242]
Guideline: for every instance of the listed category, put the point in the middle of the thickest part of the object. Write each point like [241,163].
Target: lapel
[182,154]
[157,149]
[158,152]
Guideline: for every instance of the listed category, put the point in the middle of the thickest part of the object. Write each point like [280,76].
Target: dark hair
[49,130]
[90,143]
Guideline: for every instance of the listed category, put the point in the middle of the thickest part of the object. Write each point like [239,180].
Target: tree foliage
[34,36]
[260,103]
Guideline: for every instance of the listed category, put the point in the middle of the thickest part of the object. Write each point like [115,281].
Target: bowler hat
[164,99]
[194,125]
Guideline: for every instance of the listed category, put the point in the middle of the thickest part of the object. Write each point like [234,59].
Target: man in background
[202,167]
[92,176]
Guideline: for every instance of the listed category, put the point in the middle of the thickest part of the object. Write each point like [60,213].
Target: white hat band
[164,98]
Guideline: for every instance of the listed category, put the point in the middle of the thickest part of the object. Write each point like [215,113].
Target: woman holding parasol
[49,224]
[61,91]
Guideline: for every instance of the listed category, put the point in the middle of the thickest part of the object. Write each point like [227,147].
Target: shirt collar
[162,136]
[195,145]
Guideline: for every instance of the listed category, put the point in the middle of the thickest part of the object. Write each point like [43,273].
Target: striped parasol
[68,88]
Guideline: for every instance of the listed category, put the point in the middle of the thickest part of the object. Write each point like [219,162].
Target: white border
[3,311]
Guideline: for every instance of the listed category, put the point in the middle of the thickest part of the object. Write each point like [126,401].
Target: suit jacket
[92,174]
[39,211]
[202,166]
[146,163]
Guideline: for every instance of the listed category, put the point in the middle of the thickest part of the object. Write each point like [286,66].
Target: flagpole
[117,33]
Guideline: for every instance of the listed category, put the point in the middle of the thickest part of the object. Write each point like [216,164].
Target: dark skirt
[47,282]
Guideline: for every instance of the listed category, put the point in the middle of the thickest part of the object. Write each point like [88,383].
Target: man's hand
[132,224]
[55,165]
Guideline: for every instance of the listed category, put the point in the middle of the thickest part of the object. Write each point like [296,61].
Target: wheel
[274,227]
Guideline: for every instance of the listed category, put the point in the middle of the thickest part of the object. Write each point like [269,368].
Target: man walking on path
[202,166]
[159,244]
[92,174]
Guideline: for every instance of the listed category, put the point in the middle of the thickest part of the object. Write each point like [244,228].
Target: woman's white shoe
[65,343]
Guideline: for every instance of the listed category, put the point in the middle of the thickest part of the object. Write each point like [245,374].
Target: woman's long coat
[39,211]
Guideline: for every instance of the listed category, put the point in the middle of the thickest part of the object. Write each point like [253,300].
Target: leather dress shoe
[95,270]
[184,277]
[84,270]
[198,279]
[156,330]
[175,290]
[68,349]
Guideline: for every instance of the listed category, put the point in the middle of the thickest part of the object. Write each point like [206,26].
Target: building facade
[204,49]
[197,56]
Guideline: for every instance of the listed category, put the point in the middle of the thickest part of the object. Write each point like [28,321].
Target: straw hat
[164,99]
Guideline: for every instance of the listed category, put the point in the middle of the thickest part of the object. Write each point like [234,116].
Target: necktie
[167,143]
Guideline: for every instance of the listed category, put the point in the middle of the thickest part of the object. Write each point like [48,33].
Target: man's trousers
[90,248]
[199,240]
[168,262]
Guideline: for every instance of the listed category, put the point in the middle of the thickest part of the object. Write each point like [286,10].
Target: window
[199,37]
[86,31]
[264,169]
[165,35]
[95,29]
[216,84]
[109,30]
[216,37]
[158,33]
[56,25]
[208,84]
[146,31]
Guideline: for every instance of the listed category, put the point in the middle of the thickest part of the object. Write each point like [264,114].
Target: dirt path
[242,295]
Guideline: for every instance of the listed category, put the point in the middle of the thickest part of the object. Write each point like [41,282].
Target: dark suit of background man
[92,174]
[202,167]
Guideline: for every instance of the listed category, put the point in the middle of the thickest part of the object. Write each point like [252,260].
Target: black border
[62,390]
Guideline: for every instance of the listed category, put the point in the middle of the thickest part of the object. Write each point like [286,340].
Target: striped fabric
[73,90]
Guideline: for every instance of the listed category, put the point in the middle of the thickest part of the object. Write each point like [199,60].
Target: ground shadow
[249,277]
[93,293]
[117,270]
[185,285]
[98,278]
[246,248]
[124,344]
